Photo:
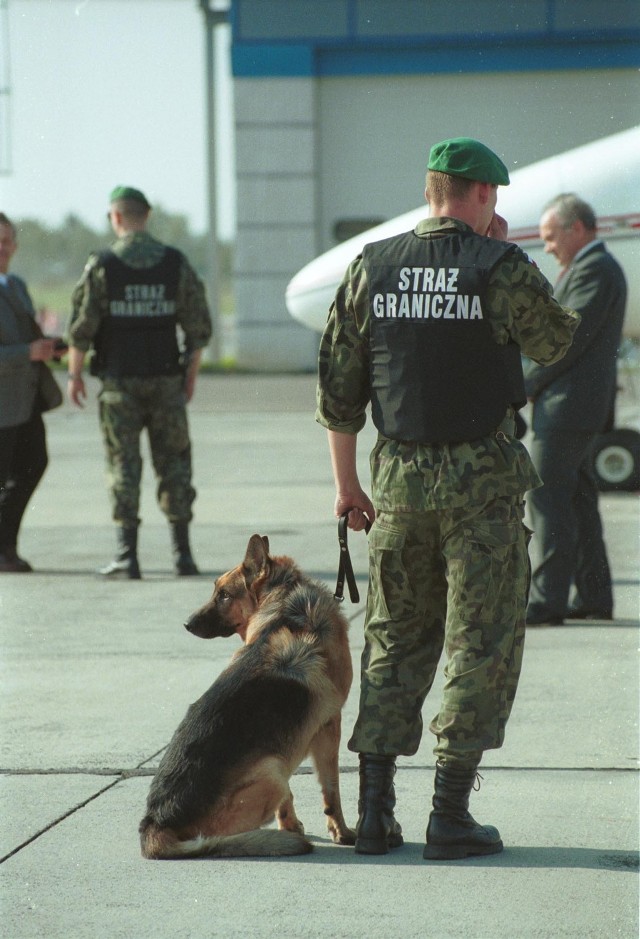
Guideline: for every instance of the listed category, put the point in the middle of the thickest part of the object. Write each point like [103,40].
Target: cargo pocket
[388,582]
[485,571]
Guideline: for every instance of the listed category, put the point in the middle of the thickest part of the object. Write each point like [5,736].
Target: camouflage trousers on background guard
[127,406]
[456,580]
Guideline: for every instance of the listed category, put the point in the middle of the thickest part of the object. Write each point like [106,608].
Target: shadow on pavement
[521,857]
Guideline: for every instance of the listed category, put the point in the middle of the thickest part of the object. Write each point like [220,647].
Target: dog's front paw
[291,823]
[342,835]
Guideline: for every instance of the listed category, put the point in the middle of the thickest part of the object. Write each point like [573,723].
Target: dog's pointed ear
[256,558]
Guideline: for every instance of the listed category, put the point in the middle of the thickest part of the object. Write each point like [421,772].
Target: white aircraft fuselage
[605,173]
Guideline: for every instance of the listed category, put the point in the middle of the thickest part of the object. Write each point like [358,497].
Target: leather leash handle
[345,567]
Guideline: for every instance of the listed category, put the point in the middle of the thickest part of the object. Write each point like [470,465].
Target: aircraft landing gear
[616,461]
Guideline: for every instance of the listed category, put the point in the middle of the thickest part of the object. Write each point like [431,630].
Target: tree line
[52,258]
[55,256]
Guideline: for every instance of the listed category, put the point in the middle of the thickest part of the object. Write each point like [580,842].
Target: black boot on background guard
[184,564]
[452,832]
[125,563]
[377,830]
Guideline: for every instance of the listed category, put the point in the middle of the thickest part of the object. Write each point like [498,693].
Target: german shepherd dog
[227,768]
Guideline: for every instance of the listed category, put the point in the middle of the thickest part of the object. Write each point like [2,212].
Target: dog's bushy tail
[163,844]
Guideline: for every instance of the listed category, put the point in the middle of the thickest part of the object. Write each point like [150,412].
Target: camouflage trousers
[127,406]
[455,580]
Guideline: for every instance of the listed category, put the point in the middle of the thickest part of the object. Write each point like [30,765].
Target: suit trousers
[568,544]
[23,460]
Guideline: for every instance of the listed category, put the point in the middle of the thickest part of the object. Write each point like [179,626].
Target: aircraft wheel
[616,461]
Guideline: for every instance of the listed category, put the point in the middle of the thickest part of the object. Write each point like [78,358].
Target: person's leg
[488,576]
[594,594]
[121,423]
[23,461]
[404,631]
[557,457]
[168,429]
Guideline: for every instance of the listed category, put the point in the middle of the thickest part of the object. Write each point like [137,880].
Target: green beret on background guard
[128,192]
[463,156]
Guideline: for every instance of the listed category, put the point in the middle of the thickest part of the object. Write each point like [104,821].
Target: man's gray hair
[570,208]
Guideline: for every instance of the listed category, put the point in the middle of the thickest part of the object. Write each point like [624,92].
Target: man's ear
[484,191]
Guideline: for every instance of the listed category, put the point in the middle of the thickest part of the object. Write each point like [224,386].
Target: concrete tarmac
[96,676]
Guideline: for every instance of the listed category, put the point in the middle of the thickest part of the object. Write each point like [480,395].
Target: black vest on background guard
[437,375]
[138,337]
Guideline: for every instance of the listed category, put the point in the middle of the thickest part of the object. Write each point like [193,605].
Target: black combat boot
[452,832]
[377,830]
[125,563]
[183,560]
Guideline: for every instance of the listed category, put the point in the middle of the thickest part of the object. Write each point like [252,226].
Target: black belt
[345,568]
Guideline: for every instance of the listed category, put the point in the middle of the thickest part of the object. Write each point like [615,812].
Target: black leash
[345,567]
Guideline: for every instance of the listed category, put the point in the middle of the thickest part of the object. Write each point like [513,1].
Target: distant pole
[215,13]
[5,91]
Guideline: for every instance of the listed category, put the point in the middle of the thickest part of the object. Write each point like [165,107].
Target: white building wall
[276,218]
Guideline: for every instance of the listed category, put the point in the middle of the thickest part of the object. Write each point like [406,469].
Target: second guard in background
[128,306]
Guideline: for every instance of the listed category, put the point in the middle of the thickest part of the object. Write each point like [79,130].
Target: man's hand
[76,390]
[41,350]
[190,384]
[349,492]
[362,509]
[75,385]
[191,374]
[498,228]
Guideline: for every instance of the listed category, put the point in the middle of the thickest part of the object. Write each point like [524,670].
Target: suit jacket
[578,392]
[18,375]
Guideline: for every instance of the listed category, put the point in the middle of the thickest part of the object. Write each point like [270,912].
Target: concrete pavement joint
[122,774]
[56,821]
[141,770]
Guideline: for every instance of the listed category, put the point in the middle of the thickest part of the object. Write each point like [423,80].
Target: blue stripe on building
[290,38]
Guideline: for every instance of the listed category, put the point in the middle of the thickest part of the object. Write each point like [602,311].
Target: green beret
[128,192]
[462,156]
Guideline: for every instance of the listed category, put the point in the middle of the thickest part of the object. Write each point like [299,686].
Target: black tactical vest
[138,337]
[437,375]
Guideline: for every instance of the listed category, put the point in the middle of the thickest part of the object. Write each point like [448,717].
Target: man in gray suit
[23,448]
[572,403]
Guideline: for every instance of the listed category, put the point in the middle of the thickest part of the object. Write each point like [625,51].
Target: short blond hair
[441,187]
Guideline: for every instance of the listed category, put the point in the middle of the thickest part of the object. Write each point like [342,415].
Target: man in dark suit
[23,448]
[572,403]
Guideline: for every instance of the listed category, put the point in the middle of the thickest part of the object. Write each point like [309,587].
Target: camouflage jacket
[409,476]
[90,302]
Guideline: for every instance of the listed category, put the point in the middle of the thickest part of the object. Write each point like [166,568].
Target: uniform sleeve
[526,311]
[192,311]
[89,304]
[343,363]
